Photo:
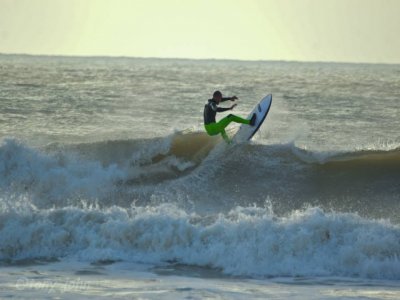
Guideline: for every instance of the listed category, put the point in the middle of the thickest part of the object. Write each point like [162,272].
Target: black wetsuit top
[211,109]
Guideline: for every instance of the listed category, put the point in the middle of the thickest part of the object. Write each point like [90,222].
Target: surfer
[210,110]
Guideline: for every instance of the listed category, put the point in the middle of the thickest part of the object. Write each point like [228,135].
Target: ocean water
[109,186]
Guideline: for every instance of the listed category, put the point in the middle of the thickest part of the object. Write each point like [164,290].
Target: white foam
[62,177]
[75,280]
[53,178]
[246,241]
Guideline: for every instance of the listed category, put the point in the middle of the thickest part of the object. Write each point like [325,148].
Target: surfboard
[246,132]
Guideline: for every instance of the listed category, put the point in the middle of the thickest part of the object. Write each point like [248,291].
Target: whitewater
[109,186]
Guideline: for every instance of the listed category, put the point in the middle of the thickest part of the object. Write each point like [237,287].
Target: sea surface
[109,187]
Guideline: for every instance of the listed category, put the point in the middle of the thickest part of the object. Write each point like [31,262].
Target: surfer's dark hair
[217,94]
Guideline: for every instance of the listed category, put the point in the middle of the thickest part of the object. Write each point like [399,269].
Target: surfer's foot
[253,120]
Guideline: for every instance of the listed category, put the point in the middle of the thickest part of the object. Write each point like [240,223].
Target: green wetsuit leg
[225,136]
[232,118]
[216,128]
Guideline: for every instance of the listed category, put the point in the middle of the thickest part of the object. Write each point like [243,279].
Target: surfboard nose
[260,112]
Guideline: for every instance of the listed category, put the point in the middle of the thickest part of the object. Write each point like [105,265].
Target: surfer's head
[217,96]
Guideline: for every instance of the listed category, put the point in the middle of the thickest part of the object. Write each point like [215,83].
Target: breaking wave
[246,241]
[247,210]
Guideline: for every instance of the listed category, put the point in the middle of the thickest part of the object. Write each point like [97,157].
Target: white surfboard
[246,132]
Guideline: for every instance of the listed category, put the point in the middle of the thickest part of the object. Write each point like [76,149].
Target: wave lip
[118,172]
[53,178]
[391,155]
[63,174]
[246,241]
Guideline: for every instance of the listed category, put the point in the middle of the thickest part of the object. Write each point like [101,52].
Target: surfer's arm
[221,109]
[215,108]
[233,98]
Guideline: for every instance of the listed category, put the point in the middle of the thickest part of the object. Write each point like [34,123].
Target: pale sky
[302,30]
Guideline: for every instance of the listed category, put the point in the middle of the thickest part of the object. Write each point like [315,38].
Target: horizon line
[196,59]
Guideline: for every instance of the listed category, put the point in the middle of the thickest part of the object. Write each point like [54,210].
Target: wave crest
[246,241]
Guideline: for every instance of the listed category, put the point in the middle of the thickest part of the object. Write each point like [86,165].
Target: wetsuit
[214,128]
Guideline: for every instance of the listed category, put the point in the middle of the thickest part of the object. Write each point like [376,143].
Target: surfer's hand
[233,106]
[234,98]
